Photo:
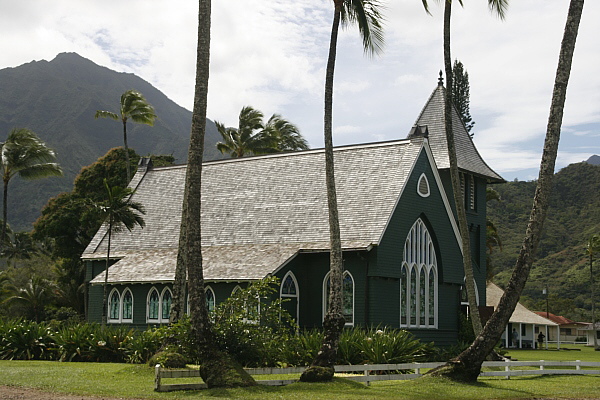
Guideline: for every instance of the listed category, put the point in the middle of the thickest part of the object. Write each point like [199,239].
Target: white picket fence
[371,372]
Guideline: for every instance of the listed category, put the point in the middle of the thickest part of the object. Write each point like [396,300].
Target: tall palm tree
[24,154]
[592,247]
[21,247]
[253,136]
[498,6]
[135,107]
[119,212]
[367,15]
[467,365]
[216,368]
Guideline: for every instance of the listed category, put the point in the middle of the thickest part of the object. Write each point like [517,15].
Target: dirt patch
[19,393]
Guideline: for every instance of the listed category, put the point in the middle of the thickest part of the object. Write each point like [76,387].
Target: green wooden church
[267,215]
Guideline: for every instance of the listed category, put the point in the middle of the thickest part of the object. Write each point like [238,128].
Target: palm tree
[134,106]
[367,15]
[216,368]
[21,247]
[286,136]
[36,293]
[467,365]
[24,154]
[252,136]
[592,247]
[499,6]
[119,212]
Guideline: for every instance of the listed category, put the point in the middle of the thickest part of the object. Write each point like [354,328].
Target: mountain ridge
[57,100]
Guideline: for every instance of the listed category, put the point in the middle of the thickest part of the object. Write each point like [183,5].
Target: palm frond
[368,15]
[106,114]
[498,7]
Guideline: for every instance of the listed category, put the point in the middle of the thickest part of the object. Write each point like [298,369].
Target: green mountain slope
[58,100]
[562,265]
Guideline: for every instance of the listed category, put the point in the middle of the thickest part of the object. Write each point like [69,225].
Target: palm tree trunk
[459,202]
[467,365]
[594,334]
[126,152]
[334,322]
[105,291]
[217,369]
[178,306]
[4,215]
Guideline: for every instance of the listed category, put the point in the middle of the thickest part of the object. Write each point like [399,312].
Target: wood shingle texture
[259,212]
[468,157]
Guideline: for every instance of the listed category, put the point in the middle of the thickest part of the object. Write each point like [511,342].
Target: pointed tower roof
[431,120]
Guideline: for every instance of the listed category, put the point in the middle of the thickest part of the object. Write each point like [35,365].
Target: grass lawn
[137,381]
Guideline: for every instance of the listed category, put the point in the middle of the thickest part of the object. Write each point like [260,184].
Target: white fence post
[368,382]
[157,377]
[578,366]
[507,368]
[541,364]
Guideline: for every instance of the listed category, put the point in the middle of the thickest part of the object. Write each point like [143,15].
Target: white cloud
[272,54]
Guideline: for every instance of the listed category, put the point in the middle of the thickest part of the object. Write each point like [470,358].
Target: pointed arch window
[289,292]
[114,306]
[127,306]
[159,306]
[347,296]
[210,299]
[165,304]
[418,280]
[423,186]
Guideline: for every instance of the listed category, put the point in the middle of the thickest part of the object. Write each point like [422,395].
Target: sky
[271,54]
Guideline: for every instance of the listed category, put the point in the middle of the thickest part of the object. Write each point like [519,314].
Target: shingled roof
[469,159]
[521,314]
[258,212]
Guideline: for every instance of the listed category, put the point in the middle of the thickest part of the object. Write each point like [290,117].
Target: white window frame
[423,177]
[160,319]
[326,297]
[418,258]
[123,319]
[296,296]
[109,318]
[207,290]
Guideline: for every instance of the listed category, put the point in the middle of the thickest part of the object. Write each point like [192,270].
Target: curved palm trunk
[4,215]
[454,176]
[334,320]
[105,290]
[594,334]
[467,365]
[217,369]
[126,152]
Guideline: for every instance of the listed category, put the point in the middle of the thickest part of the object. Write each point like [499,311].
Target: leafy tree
[217,369]
[499,7]
[460,94]
[24,154]
[367,15]
[133,105]
[467,365]
[592,247]
[119,212]
[253,136]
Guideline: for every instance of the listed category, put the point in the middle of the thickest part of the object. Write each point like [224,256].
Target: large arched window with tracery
[347,296]
[419,280]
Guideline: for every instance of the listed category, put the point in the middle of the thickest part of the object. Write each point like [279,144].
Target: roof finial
[440,79]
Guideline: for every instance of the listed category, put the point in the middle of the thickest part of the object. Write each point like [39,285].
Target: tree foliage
[254,136]
[461,95]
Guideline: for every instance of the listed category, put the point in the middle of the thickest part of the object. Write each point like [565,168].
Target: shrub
[168,359]
[143,345]
[26,340]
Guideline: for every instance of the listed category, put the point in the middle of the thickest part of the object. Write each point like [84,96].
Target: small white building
[590,331]
[524,325]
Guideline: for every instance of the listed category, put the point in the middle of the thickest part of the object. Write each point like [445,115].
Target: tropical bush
[26,340]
